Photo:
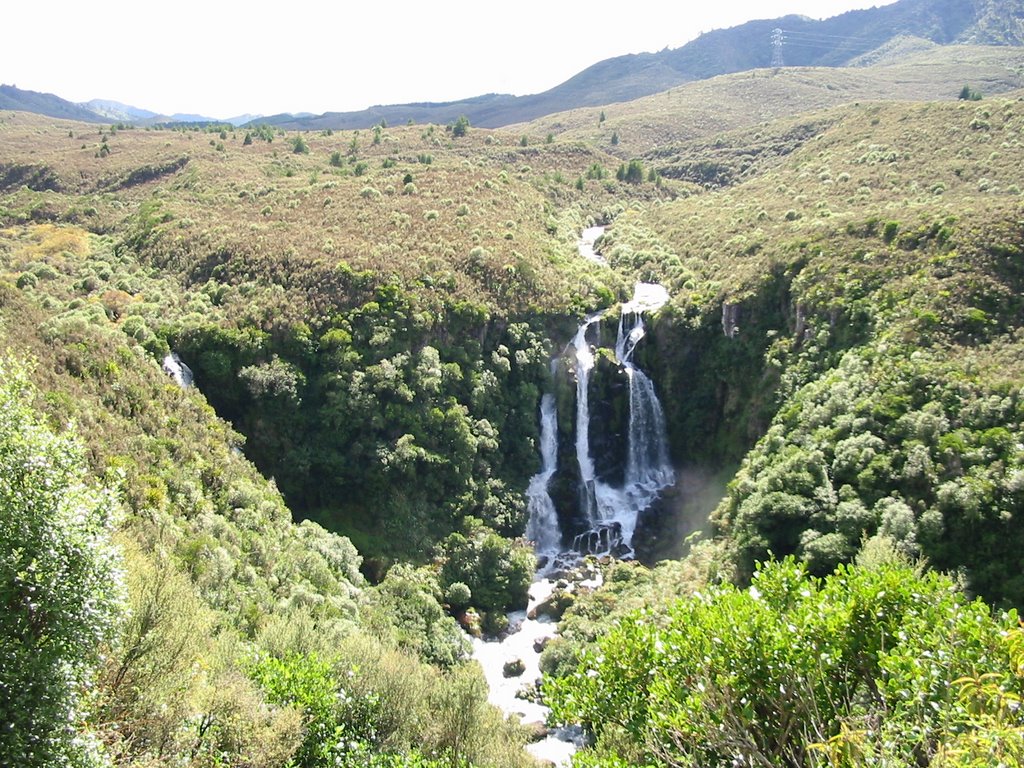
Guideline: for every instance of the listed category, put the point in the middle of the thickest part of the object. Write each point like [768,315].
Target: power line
[782,38]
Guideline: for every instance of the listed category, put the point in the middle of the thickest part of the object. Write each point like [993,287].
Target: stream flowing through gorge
[610,509]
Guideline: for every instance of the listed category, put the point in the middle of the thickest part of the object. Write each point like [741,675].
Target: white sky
[221,58]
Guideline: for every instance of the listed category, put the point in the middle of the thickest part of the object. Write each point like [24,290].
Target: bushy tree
[460,127]
[59,586]
[632,173]
[877,664]
[496,571]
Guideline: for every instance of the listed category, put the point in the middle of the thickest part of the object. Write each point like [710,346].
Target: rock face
[604,539]
[609,419]
[513,668]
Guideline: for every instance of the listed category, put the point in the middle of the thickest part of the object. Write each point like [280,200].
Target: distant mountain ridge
[99,110]
[115,110]
[14,98]
[837,41]
[853,38]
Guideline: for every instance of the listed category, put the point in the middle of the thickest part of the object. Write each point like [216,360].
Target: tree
[632,173]
[59,585]
[615,138]
[969,94]
[299,145]
[461,127]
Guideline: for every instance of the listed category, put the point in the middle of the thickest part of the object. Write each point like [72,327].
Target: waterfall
[648,468]
[177,370]
[542,528]
[584,364]
[612,511]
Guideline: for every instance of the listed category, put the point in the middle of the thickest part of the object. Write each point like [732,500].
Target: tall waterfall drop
[614,510]
[584,364]
[610,512]
[543,529]
[607,511]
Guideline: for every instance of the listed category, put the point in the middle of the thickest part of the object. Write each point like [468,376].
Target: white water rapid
[177,370]
[586,245]
[525,637]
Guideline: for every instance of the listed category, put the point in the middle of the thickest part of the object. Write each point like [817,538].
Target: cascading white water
[177,370]
[648,469]
[586,245]
[584,364]
[542,528]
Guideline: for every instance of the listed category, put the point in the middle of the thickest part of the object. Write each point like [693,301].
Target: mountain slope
[705,108]
[115,110]
[832,42]
[14,98]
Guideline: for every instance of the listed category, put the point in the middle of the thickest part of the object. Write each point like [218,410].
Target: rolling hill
[18,100]
[834,42]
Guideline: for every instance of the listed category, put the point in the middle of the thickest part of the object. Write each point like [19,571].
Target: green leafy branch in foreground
[852,669]
[60,586]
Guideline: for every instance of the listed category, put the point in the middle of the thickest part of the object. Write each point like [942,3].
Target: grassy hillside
[351,201]
[662,124]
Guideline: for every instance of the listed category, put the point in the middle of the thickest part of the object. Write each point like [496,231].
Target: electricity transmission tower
[777,41]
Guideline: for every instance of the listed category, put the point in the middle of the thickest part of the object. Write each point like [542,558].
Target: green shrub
[461,127]
[335,721]
[497,571]
[778,673]
[59,585]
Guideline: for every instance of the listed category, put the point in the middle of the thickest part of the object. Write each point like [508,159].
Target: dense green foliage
[495,571]
[854,669]
[364,705]
[59,586]
[907,446]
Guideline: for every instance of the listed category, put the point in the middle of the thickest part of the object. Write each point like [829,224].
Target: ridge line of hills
[849,39]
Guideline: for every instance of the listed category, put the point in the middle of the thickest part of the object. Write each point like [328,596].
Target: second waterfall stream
[511,664]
